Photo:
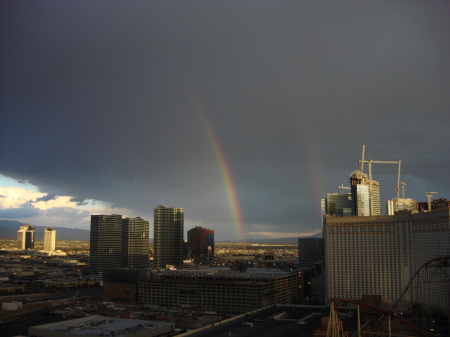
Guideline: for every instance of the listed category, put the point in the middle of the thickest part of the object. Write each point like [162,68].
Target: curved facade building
[201,241]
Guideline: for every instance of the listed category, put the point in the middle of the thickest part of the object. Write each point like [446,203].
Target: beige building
[380,254]
[49,239]
[103,326]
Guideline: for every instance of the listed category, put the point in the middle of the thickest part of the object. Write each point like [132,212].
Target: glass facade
[135,232]
[168,236]
[106,242]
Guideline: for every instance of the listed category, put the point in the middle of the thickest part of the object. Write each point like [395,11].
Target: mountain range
[9,228]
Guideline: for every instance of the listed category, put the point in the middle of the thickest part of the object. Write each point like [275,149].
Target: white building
[25,237]
[49,239]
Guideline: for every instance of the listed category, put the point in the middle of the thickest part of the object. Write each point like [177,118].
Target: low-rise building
[219,290]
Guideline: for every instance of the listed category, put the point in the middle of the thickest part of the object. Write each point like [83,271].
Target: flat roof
[103,325]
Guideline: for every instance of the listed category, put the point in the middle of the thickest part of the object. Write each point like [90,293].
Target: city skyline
[244,114]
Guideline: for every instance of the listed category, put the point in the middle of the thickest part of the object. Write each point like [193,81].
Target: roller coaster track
[336,328]
[442,258]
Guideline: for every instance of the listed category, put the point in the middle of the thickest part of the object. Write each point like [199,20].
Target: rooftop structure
[400,204]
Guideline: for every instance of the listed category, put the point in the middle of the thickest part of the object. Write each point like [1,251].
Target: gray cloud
[264,106]
[79,201]
[26,210]
[48,197]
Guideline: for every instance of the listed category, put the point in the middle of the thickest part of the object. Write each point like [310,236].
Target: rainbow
[225,173]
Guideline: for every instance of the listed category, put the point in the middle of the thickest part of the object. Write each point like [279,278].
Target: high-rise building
[168,236]
[118,243]
[310,251]
[25,237]
[135,242]
[49,239]
[337,204]
[106,242]
[365,195]
[380,254]
[201,241]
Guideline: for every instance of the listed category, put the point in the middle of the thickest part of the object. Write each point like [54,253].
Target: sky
[244,113]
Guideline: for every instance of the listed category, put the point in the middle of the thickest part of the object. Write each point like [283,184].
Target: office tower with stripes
[135,246]
[168,236]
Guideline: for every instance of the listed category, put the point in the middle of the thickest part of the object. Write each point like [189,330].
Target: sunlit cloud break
[279,235]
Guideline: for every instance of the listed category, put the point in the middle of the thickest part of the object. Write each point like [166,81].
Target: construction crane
[429,195]
[361,166]
[370,162]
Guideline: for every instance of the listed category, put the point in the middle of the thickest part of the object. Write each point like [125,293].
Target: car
[258,320]
[301,322]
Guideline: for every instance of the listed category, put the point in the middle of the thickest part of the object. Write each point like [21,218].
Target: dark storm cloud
[79,201]
[26,210]
[115,96]
[48,197]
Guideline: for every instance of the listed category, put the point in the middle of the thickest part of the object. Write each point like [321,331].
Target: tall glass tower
[135,242]
[106,242]
[168,236]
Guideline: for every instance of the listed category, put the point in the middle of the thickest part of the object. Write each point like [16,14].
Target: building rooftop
[224,273]
[103,326]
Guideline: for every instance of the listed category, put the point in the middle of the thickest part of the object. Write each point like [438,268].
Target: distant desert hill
[9,228]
